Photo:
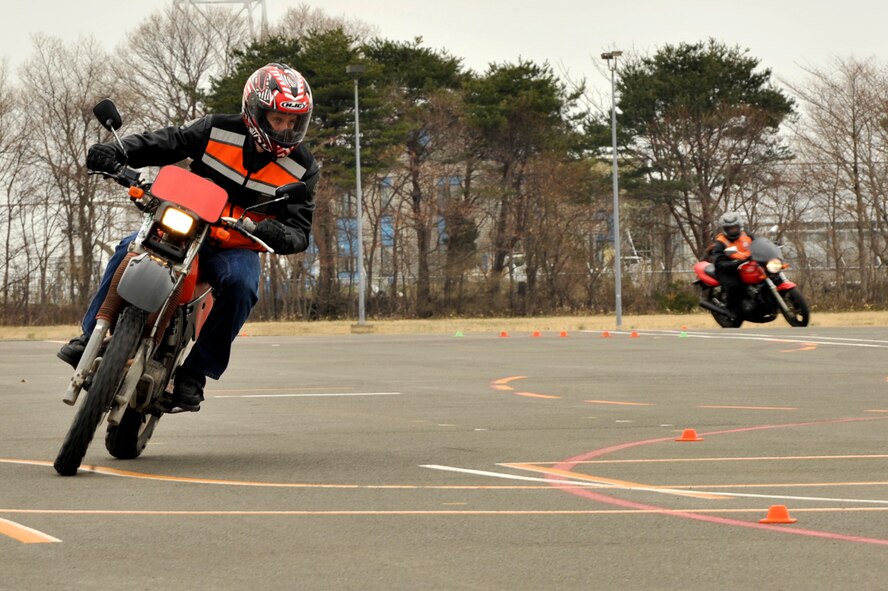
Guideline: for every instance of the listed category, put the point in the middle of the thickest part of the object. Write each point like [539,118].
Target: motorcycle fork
[86,365]
[777,296]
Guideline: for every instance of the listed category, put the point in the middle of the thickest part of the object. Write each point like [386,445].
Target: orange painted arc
[24,534]
[619,403]
[502,381]
[532,395]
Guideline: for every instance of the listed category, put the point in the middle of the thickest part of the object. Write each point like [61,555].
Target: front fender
[146,283]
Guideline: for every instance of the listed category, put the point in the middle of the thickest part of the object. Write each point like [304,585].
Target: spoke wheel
[105,384]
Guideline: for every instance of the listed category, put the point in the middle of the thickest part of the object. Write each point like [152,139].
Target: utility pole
[611,58]
[356,71]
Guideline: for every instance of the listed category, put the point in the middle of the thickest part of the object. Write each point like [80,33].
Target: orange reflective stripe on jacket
[225,155]
[742,244]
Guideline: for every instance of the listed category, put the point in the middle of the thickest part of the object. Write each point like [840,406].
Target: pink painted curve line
[570,463]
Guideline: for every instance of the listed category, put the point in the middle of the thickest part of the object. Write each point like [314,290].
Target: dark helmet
[731,224]
[280,88]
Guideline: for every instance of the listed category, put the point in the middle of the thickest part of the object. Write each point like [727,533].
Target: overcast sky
[785,35]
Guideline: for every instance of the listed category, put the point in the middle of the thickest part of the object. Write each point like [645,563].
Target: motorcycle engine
[756,306]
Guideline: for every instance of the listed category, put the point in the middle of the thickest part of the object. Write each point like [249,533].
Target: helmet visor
[284,129]
[732,232]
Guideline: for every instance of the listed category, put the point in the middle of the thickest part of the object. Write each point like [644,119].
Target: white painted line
[818,340]
[584,483]
[513,476]
[314,395]
[676,492]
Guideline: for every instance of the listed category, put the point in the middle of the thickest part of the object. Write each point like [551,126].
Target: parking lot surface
[471,462]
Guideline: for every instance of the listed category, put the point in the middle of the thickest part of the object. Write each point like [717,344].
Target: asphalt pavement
[471,462]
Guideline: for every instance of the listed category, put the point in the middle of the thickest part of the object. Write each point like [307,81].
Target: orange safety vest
[742,243]
[225,155]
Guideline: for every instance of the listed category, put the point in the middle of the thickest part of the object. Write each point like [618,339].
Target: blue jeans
[233,273]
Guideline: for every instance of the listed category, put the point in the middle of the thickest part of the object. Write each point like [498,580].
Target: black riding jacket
[221,149]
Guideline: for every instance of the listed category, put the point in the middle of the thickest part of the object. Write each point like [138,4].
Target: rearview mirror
[108,115]
[293,192]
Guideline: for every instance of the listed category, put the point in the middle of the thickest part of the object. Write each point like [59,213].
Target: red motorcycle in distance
[768,291]
[155,308]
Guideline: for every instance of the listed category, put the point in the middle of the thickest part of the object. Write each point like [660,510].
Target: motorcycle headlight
[176,220]
[774,266]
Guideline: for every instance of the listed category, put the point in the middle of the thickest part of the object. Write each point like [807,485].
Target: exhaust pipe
[717,309]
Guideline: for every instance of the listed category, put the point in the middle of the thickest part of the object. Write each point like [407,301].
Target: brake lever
[126,176]
[240,226]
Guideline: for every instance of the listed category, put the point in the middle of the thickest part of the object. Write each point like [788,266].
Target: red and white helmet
[277,87]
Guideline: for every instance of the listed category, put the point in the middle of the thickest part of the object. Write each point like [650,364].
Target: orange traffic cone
[689,435]
[605,335]
[536,333]
[633,334]
[778,514]
[504,334]
[563,333]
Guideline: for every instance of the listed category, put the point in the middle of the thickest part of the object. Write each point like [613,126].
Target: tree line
[485,193]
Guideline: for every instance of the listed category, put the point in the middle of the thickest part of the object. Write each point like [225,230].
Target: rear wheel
[127,440]
[798,314]
[104,386]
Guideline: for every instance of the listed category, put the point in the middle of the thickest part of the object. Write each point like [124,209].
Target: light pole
[355,72]
[611,58]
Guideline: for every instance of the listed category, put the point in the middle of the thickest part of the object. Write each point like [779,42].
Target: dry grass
[475,325]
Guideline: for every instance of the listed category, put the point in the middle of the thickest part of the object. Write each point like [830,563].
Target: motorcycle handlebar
[125,176]
[130,177]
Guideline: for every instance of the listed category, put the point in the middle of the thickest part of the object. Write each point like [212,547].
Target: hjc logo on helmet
[292,105]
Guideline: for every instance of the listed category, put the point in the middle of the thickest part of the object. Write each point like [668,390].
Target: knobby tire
[100,395]
[127,440]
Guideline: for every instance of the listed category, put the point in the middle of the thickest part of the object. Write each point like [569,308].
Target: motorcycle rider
[727,264]
[249,155]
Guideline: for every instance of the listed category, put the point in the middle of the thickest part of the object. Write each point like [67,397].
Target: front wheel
[105,385]
[798,314]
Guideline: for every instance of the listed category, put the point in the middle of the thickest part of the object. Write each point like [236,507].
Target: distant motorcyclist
[727,262]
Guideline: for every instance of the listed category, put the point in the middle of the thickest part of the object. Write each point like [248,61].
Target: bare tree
[12,167]
[168,61]
[298,21]
[61,126]
[843,137]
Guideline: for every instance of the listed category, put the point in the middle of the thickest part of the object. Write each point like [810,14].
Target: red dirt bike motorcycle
[768,291]
[155,307]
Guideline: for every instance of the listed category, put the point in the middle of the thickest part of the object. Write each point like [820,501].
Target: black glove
[275,234]
[104,158]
